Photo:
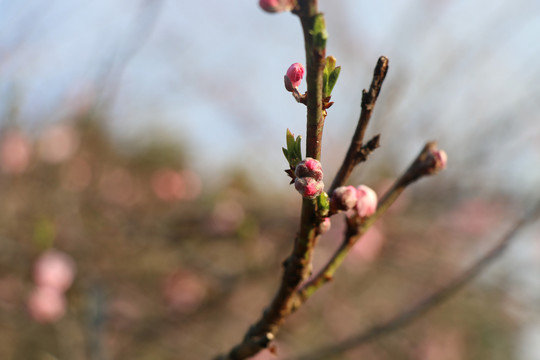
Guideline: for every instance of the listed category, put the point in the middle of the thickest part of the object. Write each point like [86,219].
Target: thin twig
[354,154]
[143,25]
[439,296]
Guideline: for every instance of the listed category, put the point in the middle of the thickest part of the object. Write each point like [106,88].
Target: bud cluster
[361,200]
[309,176]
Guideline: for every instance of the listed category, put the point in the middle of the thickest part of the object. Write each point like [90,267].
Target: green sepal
[330,75]
[330,64]
[298,149]
[323,204]
[290,139]
[332,80]
[319,33]
[293,152]
[325,76]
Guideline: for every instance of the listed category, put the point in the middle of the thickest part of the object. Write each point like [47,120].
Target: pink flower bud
[46,304]
[343,198]
[54,269]
[273,6]
[325,225]
[295,73]
[431,160]
[440,159]
[367,201]
[309,168]
[308,187]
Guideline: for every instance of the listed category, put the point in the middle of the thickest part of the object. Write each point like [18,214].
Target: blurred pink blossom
[193,184]
[58,143]
[168,185]
[15,152]
[184,291]
[227,216]
[55,270]
[369,246]
[46,304]
[474,217]
[367,201]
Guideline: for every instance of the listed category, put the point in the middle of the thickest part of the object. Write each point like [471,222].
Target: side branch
[426,163]
[369,98]
[439,296]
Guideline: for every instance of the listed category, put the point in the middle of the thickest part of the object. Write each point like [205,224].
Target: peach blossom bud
[274,6]
[343,198]
[46,304]
[309,168]
[295,73]
[54,269]
[432,160]
[440,159]
[325,225]
[367,201]
[308,187]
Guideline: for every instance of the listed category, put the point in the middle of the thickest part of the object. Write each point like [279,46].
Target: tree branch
[354,154]
[439,296]
[423,165]
[315,47]
[297,267]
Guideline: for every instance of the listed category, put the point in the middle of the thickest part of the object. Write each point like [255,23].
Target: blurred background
[141,163]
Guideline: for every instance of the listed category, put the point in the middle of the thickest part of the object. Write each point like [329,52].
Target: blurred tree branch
[426,304]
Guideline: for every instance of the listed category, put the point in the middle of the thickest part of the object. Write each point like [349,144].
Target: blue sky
[210,75]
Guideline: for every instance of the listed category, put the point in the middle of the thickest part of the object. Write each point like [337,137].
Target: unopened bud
[367,201]
[309,168]
[308,187]
[294,74]
[325,225]
[343,198]
[440,159]
[274,6]
[435,159]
